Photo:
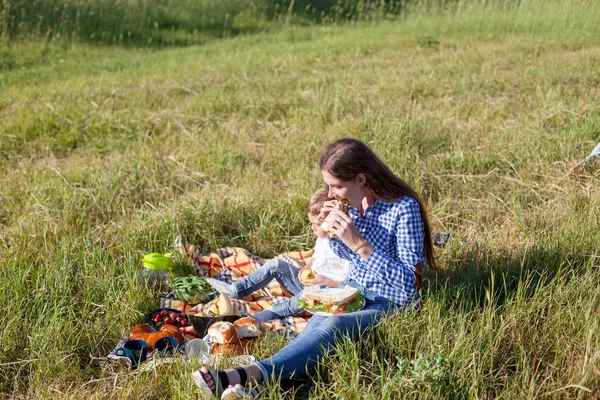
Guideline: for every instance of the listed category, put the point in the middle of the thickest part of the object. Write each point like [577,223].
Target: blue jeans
[287,276]
[319,337]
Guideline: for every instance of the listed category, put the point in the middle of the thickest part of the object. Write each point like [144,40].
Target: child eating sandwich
[324,268]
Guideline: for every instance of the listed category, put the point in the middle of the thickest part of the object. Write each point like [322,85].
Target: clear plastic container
[155,273]
[157,280]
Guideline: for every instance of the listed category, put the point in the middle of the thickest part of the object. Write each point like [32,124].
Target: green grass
[163,23]
[110,152]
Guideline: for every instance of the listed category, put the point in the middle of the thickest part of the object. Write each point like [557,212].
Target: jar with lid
[155,274]
[158,281]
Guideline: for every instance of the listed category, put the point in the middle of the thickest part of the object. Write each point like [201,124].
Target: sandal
[205,381]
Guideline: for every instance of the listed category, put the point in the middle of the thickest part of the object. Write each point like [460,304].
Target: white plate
[326,314]
[330,291]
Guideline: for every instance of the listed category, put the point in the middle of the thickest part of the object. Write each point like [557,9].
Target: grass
[110,152]
[143,23]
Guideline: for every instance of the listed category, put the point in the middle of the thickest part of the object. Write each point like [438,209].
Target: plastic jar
[156,280]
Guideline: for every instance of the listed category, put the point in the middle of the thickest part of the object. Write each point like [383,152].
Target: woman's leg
[213,382]
[318,338]
[300,355]
[285,273]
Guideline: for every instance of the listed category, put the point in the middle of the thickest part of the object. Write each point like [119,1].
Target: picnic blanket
[230,264]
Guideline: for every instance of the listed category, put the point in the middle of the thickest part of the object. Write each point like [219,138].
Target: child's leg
[279,310]
[286,308]
[285,273]
[222,287]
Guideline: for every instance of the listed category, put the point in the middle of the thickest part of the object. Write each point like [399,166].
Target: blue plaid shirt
[396,232]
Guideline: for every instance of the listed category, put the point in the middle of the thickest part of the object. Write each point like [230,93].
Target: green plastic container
[155,273]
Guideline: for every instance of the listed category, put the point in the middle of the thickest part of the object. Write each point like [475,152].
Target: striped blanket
[230,264]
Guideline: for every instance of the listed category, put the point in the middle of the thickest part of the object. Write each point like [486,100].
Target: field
[110,150]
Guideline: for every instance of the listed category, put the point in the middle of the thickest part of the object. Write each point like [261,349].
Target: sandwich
[331,300]
[327,226]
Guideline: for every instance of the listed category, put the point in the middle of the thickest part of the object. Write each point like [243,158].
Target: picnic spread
[195,320]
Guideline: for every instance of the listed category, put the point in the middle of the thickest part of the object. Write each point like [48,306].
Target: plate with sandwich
[326,301]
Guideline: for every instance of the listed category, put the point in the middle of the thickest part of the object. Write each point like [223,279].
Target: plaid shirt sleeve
[409,233]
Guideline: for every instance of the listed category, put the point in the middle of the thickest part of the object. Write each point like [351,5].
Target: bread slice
[329,296]
[327,226]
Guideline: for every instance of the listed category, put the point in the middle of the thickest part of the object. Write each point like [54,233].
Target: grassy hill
[111,152]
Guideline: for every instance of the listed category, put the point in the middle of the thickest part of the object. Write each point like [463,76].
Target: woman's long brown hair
[347,158]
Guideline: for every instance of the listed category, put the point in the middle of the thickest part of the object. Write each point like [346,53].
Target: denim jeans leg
[303,353]
[286,308]
[285,273]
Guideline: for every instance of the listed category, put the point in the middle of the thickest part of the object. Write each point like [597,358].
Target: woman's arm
[409,234]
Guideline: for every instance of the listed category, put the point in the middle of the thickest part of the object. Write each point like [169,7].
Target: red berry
[168,321]
[163,313]
[183,322]
[173,314]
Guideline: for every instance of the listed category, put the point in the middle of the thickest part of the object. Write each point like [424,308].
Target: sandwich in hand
[331,300]
[327,226]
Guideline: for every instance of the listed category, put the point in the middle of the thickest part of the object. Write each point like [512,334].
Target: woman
[387,238]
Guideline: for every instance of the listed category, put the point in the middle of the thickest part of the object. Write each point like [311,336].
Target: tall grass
[167,22]
[185,22]
[108,153]
[139,22]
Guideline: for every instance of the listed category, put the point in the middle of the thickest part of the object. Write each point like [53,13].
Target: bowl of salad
[193,290]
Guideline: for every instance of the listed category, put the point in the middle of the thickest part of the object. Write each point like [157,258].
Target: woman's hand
[343,226]
[327,206]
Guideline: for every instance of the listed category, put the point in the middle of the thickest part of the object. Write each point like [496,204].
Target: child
[327,268]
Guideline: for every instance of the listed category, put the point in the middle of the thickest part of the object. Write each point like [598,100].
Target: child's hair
[315,203]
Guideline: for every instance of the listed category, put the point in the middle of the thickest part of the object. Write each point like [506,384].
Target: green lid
[158,262]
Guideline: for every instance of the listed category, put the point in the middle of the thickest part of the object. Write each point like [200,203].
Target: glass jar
[155,273]
[157,280]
